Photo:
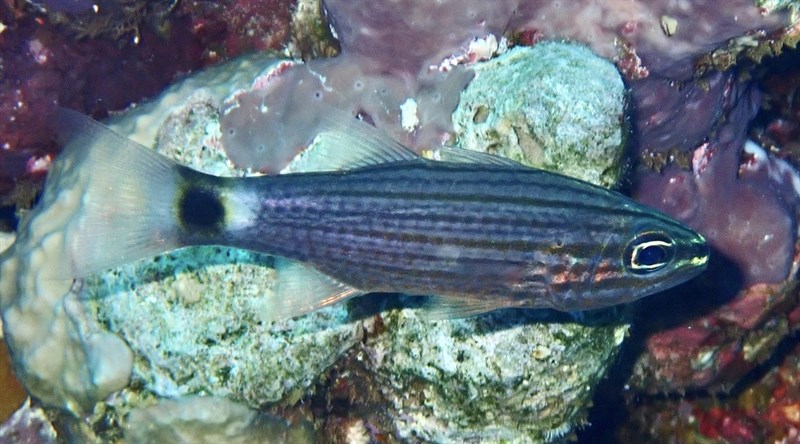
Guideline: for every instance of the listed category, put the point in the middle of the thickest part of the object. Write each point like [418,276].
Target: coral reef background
[710,360]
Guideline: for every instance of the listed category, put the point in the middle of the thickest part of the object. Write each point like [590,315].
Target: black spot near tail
[199,205]
[201,208]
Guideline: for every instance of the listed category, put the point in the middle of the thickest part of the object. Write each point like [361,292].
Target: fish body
[478,232]
[515,236]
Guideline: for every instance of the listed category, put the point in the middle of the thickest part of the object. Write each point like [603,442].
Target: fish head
[653,254]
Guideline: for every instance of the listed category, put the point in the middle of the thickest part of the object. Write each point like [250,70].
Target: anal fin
[301,289]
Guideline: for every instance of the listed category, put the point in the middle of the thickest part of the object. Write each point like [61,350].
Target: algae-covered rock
[200,420]
[194,321]
[511,376]
[556,106]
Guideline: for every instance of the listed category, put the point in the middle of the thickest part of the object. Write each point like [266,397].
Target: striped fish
[367,215]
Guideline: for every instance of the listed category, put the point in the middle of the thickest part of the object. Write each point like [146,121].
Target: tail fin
[119,197]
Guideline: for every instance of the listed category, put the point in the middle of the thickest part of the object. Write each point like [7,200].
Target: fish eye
[648,252]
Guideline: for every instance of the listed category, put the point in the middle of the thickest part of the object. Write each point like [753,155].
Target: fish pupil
[652,255]
[201,208]
[649,252]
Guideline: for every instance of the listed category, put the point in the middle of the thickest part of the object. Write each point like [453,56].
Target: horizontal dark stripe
[323,236]
[516,219]
[385,199]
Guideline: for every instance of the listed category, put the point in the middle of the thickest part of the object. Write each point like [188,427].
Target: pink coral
[742,199]
[392,52]
[758,199]
[766,410]
[747,203]
[43,65]
[227,29]
[41,68]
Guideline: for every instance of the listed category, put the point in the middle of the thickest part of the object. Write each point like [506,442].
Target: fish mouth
[699,253]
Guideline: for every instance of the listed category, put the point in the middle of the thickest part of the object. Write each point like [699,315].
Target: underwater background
[689,107]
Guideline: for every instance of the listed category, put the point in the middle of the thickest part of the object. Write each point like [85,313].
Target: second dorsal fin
[461,155]
[345,142]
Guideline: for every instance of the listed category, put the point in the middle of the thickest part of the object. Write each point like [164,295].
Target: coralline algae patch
[102,56]
[29,424]
[765,410]
[745,200]
[12,395]
[210,86]
[556,106]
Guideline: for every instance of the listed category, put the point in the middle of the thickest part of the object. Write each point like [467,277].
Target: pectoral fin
[438,308]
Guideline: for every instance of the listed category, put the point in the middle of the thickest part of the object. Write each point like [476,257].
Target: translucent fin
[437,308]
[345,142]
[301,289]
[461,155]
[120,193]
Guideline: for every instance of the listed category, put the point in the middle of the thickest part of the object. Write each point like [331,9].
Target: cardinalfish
[475,231]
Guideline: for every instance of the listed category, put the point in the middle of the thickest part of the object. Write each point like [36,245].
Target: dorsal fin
[461,155]
[345,142]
